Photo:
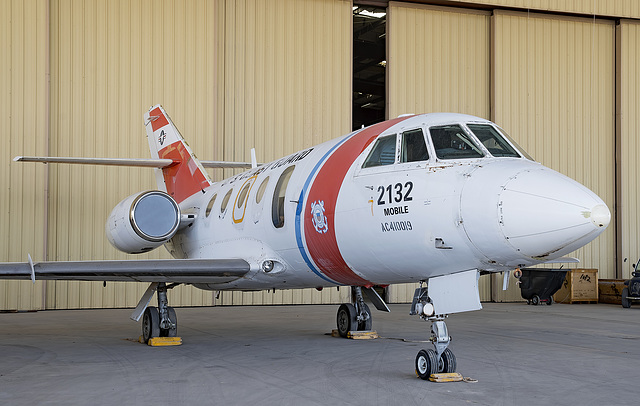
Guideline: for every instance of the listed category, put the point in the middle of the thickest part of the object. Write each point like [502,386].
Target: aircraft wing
[160,270]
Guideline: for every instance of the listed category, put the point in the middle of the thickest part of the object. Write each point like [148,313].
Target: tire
[426,364]
[172,332]
[346,319]
[626,303]
[150,324]
[447,363]
[550,301]
[535,300]
[366,325]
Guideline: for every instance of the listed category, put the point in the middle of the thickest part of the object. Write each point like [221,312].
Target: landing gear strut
[356,316]
[161,321]
[442,359]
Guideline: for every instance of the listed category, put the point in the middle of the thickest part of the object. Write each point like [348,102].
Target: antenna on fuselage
[254,161]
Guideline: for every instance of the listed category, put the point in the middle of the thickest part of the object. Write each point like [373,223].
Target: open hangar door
[547,79]
[553,93]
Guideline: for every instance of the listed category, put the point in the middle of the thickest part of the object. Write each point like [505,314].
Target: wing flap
[168,270]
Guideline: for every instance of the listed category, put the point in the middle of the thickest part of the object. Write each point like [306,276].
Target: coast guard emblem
[318,217]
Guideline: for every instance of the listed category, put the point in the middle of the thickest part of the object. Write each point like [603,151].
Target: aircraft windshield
[382,153]
[493,140]
[452,142]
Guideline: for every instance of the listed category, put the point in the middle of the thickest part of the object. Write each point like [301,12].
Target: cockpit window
[414,149]
[493,140]
[451,142]
[382,153]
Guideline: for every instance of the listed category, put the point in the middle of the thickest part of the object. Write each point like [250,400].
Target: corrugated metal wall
[232,75]
[628,123]
[613,8]
[554,94]
[23,130]
[438,60]
[287,86]
[111,61]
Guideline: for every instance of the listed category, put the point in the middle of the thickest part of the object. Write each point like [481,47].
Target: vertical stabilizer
[186,176]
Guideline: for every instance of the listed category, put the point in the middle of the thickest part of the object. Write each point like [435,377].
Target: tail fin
[186,176]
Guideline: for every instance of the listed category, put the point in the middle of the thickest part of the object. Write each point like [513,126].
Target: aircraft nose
[526,216]
[543,212]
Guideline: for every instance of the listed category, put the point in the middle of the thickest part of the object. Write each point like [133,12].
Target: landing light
[267,266]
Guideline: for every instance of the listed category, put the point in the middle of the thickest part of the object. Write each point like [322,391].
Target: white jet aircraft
[435,198]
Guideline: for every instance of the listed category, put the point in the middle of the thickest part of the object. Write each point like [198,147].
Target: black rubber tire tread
[535,300]
[172,332]
[346,319]
[626,303]
[150,324]
[448,362]
[426,364]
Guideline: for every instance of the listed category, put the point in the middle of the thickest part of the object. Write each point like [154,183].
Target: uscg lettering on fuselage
[393,211]
[298,156]
[396,226]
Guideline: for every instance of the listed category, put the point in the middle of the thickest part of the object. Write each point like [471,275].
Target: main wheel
[447,362]
[171,332]
[535,300]
[626,303]
[150,324]
[426,364]
[366,325]
[550,301]
[346,319]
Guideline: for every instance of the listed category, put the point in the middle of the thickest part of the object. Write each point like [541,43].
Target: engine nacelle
[143,221]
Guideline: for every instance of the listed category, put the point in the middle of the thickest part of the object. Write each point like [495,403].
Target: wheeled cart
[539,285]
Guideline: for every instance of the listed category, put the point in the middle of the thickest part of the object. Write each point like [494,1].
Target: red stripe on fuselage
[323,246]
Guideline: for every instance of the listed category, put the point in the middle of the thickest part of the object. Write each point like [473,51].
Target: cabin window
[414,148]
[382,153]
[261,189]
[225,201]
[277,206]
[210,205]
[243,194]
[493,140]
[452,142]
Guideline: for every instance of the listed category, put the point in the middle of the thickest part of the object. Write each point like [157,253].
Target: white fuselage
[342,222]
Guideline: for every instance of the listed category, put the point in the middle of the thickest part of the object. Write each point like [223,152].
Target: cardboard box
[580,285]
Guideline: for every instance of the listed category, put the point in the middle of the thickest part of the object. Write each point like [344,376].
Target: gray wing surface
[161,270]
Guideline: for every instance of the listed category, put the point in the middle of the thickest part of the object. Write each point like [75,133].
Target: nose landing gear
[440,359]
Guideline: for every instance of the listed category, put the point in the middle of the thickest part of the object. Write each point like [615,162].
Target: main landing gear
[442,359]
[158,321]
[354,317]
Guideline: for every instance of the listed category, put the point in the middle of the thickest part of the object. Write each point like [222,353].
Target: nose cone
[543,213]
[523,213]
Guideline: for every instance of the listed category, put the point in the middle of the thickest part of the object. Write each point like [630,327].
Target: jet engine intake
[143,222]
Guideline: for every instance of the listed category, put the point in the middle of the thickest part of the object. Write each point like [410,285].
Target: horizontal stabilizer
[159,270]
[149,163]
[133,162]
